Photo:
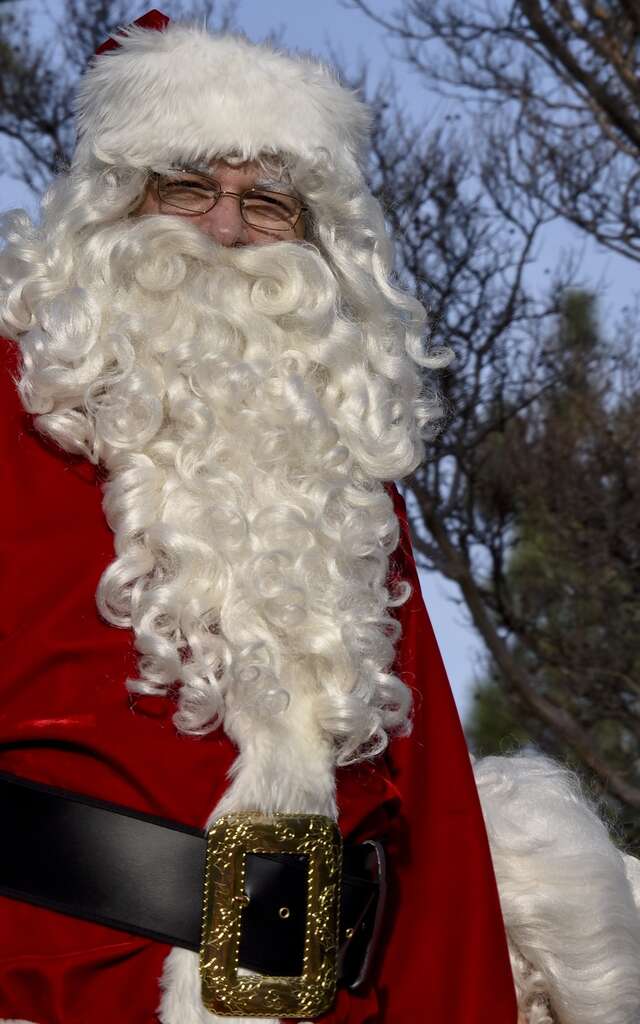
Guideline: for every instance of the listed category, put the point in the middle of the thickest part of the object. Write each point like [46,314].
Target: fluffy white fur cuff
[632,868]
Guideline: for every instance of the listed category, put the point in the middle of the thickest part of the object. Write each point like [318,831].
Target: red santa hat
[161,92]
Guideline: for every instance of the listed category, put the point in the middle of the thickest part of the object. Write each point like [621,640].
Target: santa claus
[211,614]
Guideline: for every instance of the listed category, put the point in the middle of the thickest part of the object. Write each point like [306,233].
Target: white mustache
[164,239]
[162,255]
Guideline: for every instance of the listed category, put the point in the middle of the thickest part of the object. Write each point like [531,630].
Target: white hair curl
[568,905]
[248,405]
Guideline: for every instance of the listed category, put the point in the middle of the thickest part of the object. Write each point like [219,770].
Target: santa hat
[161,93]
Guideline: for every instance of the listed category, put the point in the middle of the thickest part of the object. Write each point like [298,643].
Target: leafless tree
[568,590]
[549,94]
[556,85]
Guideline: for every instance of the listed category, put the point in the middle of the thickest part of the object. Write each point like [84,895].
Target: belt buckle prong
[225,990]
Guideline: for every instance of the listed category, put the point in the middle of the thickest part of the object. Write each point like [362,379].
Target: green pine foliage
[570,593]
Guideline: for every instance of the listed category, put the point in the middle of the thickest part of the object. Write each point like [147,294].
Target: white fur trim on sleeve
[632,868]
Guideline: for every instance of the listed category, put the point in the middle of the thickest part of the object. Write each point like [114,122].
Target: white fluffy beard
[247,424]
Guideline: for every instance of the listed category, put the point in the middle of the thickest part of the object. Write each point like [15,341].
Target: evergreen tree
[571,587]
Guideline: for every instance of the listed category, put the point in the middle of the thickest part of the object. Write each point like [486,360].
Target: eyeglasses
[261,208]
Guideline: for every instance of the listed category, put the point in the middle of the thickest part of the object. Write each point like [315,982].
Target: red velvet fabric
[66,719]
[152,19]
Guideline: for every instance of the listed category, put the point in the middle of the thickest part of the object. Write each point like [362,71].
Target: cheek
[148,205]
[263,238]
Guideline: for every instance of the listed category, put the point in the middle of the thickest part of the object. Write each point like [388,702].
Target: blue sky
[318,26]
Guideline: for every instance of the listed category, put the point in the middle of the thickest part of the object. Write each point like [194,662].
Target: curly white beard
[247,423]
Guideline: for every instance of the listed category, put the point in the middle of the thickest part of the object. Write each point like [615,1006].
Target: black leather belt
[145,875]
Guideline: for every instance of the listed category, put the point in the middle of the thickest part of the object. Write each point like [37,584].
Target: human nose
[224,222]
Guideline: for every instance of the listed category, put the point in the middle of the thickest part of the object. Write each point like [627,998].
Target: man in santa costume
[211,615]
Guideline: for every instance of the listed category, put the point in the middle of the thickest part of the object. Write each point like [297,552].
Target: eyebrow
[273,184]
[195,168]
[276,185]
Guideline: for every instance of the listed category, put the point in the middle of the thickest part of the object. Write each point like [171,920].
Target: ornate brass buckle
[227,992]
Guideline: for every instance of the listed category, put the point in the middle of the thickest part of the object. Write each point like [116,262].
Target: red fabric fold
[445,955]
[66,719]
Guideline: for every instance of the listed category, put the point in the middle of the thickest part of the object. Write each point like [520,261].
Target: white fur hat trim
[182,94]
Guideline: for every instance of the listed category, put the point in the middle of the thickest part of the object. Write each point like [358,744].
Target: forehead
[246,172]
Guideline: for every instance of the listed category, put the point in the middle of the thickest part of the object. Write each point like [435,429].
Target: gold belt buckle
[227,992]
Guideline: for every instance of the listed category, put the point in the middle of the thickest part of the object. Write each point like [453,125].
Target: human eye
[188,183]
[271,206]
[187,191]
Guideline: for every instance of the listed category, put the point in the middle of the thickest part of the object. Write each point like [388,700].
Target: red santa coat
[66,719]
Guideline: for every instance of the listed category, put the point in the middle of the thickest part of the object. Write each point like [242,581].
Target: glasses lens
[188,192]
[274,211]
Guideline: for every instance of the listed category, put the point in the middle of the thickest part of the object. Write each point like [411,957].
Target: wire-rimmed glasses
[261,206]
